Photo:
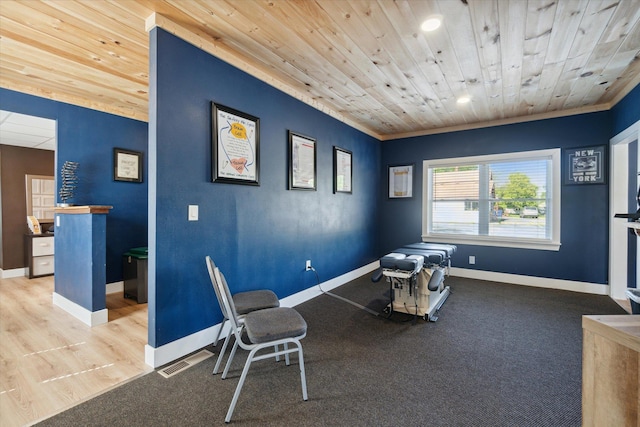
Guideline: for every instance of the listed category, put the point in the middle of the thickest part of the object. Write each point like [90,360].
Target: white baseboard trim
[115,287]
[14,272]
[540,282]
[156,357]
[91,318]
[159,356]
[314,291]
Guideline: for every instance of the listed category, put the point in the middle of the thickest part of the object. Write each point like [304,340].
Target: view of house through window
[498,197]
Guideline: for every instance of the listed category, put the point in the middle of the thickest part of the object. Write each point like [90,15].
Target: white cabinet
[39,252]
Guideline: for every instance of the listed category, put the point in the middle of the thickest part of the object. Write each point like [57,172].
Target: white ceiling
[27,131]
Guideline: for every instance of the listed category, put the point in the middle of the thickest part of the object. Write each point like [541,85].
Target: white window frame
[554,184]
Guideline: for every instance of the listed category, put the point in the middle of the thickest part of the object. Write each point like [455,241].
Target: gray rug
[499,355]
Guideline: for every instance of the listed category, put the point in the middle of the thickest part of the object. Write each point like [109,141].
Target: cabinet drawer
[42,246]
[43,265]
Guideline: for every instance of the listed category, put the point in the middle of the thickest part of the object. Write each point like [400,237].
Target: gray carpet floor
[499,355]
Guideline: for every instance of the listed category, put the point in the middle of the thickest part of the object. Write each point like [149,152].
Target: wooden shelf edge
[90,209]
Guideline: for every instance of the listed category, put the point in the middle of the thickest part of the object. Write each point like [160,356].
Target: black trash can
[134,274]
[634,298]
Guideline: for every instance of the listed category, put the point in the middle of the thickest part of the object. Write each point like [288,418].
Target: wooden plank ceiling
[364,61]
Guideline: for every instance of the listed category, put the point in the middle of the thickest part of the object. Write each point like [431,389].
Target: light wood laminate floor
[51,361]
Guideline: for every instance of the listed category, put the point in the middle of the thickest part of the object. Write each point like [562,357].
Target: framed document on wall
[302,162]
[127,165]
[235,146]
[400,181]
[342,170]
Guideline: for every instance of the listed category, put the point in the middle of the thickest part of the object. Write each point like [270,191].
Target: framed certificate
[235,146]
[400,181]
[342,170]
[302,162]
[127,165]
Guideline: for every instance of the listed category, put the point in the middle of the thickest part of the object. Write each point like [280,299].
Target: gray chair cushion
[273,324]
[249,301]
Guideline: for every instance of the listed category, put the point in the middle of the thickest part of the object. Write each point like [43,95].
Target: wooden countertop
[624,329]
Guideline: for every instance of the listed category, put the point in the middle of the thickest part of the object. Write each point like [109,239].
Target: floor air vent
[186,363]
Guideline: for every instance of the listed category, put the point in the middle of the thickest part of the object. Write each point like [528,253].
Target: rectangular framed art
[586,165]
[302,162]
[235,147]
[400,181]
[342,170]
[127,165]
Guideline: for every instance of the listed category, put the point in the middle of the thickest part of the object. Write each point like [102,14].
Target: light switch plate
[193,212]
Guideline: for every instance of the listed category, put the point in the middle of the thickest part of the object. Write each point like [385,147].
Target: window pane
[521,199]
[456,195]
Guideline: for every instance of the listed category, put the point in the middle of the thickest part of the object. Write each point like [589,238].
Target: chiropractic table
[415,274]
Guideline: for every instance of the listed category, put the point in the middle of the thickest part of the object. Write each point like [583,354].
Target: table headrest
[398,261]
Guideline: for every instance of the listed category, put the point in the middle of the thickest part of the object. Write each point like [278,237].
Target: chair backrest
[226,299]
[211,266]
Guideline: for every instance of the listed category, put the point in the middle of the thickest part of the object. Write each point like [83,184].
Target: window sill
[503,243]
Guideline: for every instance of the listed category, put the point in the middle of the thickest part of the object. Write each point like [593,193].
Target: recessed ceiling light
[431,23]
[463,100]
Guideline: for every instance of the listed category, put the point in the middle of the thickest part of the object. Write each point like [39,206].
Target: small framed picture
[302,162]
[400,181]
[585,165]
[342,170]
[127,165]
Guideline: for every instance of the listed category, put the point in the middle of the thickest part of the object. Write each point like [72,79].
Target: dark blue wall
[583,255]
[258,236]
[626,112]
[88,137]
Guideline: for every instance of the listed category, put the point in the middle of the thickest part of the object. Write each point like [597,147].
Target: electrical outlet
[307,265]
[472,259]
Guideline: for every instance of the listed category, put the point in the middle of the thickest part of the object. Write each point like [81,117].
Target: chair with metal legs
[265,330]
[245,302]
